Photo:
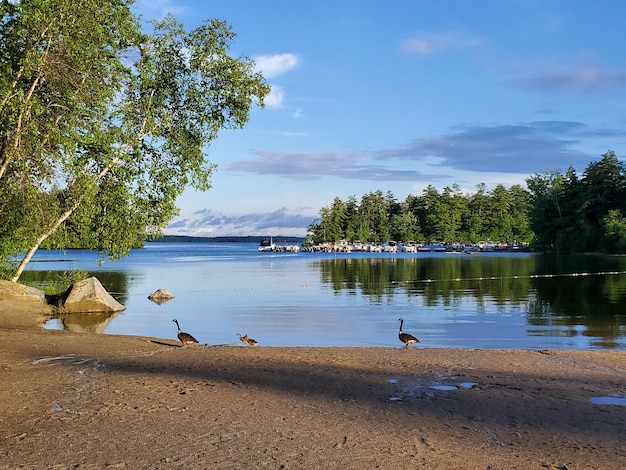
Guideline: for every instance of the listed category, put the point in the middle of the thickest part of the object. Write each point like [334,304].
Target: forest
[557,212]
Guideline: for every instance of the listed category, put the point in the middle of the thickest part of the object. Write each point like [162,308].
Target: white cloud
[274,65]
[210,223]
[276,97]
[430,43]
[581,78]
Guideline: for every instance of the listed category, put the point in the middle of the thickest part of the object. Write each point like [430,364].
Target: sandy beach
[101,401]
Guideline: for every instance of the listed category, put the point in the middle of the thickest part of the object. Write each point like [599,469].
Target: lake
[486,300]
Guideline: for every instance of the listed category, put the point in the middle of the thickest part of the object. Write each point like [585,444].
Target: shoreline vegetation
[71,400]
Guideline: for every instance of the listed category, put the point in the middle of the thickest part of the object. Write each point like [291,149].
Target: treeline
[557,212]
[447,216]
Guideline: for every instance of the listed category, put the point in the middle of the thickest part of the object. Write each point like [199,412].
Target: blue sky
[397,96]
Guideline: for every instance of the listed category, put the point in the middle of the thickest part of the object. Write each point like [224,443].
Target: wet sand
[101,401]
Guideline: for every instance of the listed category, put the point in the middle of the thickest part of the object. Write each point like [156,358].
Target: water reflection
[586,290]
[439,280]
[486,300]
[568,296]
[86,322]
[159,301]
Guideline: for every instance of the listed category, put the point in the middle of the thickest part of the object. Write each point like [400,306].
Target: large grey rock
[88,295]
[13,291]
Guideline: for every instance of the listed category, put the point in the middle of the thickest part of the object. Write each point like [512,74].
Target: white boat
[267,244]
[391,247]
[408,247]
[438,247]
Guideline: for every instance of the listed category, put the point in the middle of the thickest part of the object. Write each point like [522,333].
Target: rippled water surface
[488,300]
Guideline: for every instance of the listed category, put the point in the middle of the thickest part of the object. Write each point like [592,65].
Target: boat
[408,247]
[391,247]
[267,244]
[433,247]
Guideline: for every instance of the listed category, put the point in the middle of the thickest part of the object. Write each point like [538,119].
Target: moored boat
[267,244]
[433,247]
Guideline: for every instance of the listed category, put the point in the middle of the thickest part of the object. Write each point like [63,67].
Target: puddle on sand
[465,385]
[52,359]
[426,388]
[468,384]
[619,400]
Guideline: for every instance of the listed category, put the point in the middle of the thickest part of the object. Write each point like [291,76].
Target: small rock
[160,296]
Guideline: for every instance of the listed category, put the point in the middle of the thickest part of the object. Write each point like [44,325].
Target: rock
[88,295]
[161,296]
[13,291]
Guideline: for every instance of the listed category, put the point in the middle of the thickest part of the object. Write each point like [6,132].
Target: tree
[521,231]
[546,196]
[477,206]
[373,216]
[404,225]
[499,223]
[337,220]
[426,207]
[569,214]
[352,224]
[615,231]
[603,190]
[102,126]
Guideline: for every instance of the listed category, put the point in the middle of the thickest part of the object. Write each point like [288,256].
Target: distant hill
[246,239]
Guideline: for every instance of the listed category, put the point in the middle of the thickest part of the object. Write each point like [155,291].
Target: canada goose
[247,340]
[184,338]
[406,338]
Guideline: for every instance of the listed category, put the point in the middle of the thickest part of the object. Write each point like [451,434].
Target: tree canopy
[447,216]
[102,126]
[572,214]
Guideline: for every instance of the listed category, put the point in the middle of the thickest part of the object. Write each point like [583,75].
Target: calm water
[489,300]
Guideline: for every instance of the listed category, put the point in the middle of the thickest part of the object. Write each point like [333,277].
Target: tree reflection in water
[557,291]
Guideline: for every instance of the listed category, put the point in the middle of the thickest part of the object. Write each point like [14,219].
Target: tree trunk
[67,214]
[29,254]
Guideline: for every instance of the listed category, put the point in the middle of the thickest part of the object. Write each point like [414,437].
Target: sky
[397,96]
